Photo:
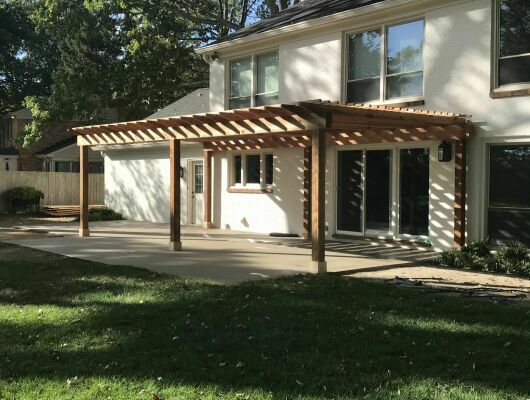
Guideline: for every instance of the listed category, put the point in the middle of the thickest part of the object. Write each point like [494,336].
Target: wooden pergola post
[460,193]
[207,224]
[175,243]
[83,191]
[306,233]
[318,177]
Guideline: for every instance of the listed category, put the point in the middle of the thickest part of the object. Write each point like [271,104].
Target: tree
[135,56]
[26,57]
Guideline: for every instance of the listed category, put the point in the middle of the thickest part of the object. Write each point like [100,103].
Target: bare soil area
[18,226]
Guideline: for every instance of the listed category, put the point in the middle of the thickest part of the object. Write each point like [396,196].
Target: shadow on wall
[138,184]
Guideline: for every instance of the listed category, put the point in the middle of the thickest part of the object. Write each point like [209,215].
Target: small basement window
[252,170]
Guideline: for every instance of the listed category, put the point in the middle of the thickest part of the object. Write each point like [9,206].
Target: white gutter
[388,6]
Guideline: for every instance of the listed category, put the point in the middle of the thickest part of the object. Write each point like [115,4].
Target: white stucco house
[467,61]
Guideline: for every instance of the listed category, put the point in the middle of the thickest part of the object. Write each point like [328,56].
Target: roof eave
[307,25]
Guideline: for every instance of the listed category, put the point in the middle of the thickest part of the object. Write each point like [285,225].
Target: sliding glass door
[364,191]
[368,191]
[350,191]
[378,190]
[414,192]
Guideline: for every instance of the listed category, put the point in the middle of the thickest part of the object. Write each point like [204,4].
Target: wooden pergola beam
[207,215]
[318,199]
[175,243]
[83,191]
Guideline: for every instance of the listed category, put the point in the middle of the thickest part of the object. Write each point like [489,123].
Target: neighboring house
[54,152]
[64,157]
[470,57]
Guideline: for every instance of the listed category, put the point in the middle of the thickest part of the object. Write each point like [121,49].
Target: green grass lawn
[72,329]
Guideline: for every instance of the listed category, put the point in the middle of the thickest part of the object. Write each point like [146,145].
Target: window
[513,37]
[62,166]
[386,63]
[240,83]
[269,169]
[198,175]
[509,197]
[237,169]
[252,169]
[254,81]
[95,167]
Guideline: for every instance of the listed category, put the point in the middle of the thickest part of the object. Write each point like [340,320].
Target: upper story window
[386,63]
[254,81]
[513,35]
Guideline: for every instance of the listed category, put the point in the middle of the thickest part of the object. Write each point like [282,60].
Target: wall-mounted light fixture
[445,151]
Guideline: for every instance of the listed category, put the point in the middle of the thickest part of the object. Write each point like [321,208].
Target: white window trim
[254,73]
[383,28]
[231,171]
[495,53]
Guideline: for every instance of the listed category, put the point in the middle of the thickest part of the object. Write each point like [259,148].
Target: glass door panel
[350,190]
[509,194]
[414,192]
[378,190]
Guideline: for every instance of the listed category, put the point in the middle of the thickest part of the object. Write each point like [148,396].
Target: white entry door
[195,193]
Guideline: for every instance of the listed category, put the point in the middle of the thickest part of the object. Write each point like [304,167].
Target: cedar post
[460,193]
[307,193]
[207,189]
[174,196]
[83,191]
[318,176]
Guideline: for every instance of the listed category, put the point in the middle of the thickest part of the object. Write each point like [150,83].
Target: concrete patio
[218,255]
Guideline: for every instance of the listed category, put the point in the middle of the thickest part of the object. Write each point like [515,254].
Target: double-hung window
[252,169]
[253,81]
[513,42]
[386,63]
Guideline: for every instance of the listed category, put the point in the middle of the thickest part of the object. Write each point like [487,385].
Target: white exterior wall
[280,211]
[458,73]
[457,68]
[137,182]
[311,69]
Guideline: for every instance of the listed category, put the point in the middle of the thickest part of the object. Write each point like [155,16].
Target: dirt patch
[18,226]
[13,220]
[496,287]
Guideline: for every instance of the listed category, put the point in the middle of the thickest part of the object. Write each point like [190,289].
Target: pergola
[310,125]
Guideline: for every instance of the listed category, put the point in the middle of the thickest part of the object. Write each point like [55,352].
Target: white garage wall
[137,181]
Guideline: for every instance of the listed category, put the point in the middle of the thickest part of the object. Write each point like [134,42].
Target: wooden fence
[59,188]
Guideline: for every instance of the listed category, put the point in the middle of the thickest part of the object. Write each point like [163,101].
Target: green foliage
[23,193]
[511,257]
[104,214]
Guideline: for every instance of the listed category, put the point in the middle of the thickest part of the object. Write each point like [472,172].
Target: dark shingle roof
[9,151]
[59,145]
[304,11]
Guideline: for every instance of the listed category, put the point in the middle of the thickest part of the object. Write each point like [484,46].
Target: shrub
[513,257]
[21,197]
[104,214]
[476,256]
